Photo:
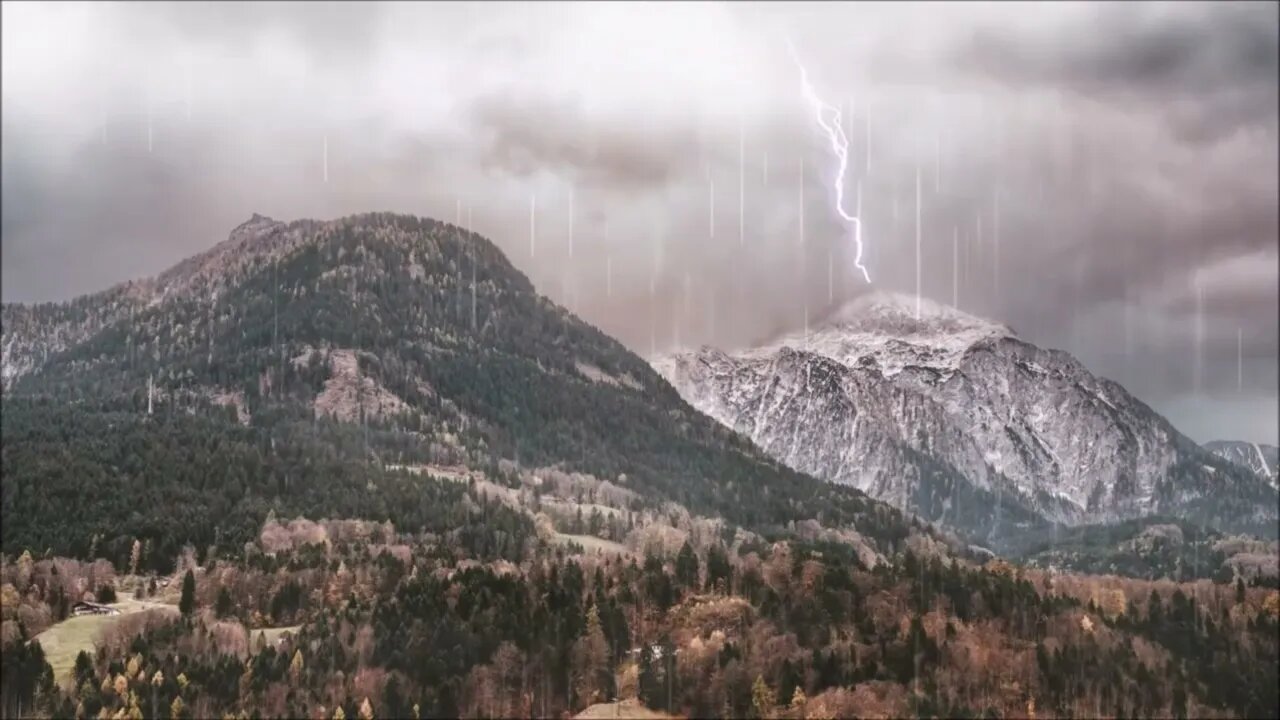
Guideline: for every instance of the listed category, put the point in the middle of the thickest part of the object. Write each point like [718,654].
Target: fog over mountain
[1101,178]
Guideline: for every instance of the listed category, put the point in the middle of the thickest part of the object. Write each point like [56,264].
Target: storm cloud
[1101,177]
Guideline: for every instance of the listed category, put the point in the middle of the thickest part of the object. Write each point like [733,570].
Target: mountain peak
[255,223]
[894,329]
[908,394]
[900,314]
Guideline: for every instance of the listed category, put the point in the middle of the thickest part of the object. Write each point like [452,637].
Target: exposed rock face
[882,399]
[1263,460]
[349,397]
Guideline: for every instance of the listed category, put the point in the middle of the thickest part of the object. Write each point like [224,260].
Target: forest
[394,624]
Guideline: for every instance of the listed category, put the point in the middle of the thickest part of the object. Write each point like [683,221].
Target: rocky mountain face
[418,335]
[1263,460]
[943,414]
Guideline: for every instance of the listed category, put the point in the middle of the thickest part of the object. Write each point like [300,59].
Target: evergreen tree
[187,602]
[718,569]
[1179,700]
[1155,611]
[223,607]
[392,701]
[687,567]
[106,594]
[650,687]
[83,668]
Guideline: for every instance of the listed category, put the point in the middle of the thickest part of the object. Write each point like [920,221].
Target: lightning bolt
[830,122]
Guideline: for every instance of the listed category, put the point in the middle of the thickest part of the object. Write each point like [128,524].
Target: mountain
[945,414]
[1263,460]
[440,495]
[296,366]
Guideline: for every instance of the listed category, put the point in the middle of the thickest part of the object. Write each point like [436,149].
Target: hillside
[293,364]
[1156,547]
[463,501]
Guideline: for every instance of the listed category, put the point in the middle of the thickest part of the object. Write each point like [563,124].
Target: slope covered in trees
[509,515]
[1154,548]
[456,360]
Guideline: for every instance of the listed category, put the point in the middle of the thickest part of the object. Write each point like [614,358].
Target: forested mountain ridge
[35,332]
[356,345]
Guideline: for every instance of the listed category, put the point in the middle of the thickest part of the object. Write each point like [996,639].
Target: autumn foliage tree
[762,700]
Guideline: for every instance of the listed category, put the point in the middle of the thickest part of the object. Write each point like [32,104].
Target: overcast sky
[1101,177]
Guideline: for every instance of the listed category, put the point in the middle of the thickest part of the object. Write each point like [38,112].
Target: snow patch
[596,375]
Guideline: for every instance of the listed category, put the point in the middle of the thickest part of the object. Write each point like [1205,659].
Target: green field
[630,708]
[273,635]
[63,641]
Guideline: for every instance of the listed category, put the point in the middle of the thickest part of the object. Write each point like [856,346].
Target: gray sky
[1129,151]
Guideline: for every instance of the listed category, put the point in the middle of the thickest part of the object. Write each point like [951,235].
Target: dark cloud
[1131,150]
[1212,67]
[523,135]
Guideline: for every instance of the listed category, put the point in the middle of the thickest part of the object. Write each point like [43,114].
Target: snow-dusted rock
[879,397]
[1263,460]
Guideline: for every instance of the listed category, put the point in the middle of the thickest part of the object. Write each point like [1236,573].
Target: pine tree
[83,669]
[788,683]
[1155,608]
[1179,699]
[718,570]
[687,566]
[392,702]
[650,688]
[188,601]
[223,607]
